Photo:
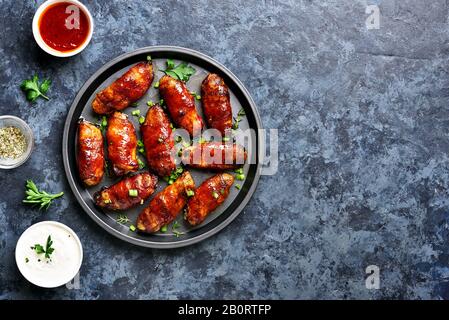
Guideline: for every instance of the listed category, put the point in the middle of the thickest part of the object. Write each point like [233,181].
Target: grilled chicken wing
[90,157]
[122,144]
[119,197]
[209,195]
[166,205]
[180,104]
[216,103]
[127,89]
[214,156]
[158,141]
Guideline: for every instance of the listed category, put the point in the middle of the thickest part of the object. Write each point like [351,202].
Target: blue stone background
[363,148]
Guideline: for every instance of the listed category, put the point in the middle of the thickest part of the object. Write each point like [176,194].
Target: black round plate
[81,107]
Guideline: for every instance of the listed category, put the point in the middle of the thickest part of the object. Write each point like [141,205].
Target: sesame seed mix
[12,142]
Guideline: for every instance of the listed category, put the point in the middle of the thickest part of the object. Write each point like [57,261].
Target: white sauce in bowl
[64,262]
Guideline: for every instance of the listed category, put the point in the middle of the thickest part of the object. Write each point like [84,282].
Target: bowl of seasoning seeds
[16,142]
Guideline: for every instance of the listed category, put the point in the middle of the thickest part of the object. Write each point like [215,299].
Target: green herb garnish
[240,177]
[174,175]
[136,113]
[134,104]
[164,228]
[150,103]
[238,186]
[215,195]
[141,120]
[240,114]
[42,198]
[181,72]
[48,249]
[156,85]
[34,90]
[190,193]
[133,193]
[174,228]
[103,124]
[141,164]
[123,219]
[132,228]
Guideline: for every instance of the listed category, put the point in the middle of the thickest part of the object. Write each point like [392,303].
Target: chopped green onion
[141,120]
[142,150]
[226,139]
[239,170]
[134,104]
[150,103]
[178,139]
[222,191]
[180,153]
[136,113]
[238,187]
[141,163]
[104,121]
[161,102]
[190,193]
[156,85]
[170,181]
[240,177]
[164,228]
[132,228]
[148,58]
[140,143]
[107,201]
[133,193]
[198,97]
[215,195]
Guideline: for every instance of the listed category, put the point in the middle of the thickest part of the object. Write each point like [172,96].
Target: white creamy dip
[64,262]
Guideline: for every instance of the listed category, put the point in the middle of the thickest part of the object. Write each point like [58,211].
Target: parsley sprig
[48,248]
[34,89]
[181,72]
[36,197]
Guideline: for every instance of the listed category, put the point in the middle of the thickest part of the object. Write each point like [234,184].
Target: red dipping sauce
[60,27]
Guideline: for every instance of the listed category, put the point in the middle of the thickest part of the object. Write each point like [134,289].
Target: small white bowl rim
[67,228]
[30,147]
[47,48]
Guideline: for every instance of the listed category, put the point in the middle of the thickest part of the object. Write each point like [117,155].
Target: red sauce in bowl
[59,28]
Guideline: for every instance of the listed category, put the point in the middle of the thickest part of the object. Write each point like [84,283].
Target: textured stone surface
[363,176]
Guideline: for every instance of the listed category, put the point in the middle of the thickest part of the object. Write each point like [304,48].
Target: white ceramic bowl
[47,48]
[12,121]
[66,258]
